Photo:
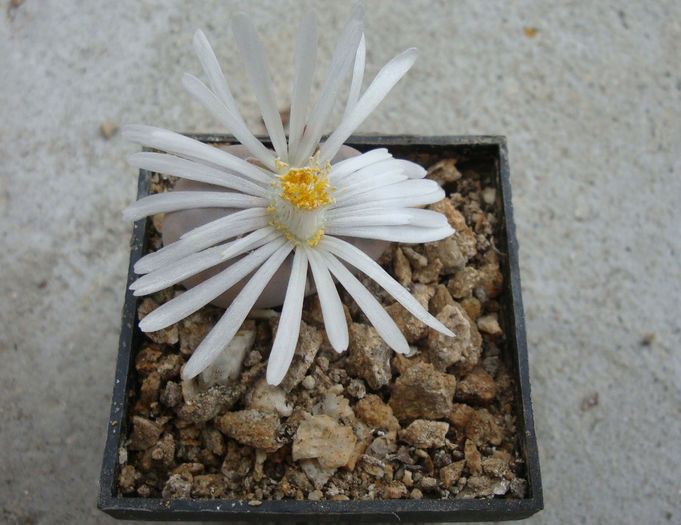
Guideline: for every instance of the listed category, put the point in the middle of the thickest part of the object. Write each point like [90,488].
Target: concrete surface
[591,107]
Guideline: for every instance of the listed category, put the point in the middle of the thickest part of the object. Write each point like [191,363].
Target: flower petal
[184,247]
[412,192]
[183,200]
[332,309]
[189,148]
[374,311]
[340,65]
[234,123]
[285,340]
[411,169]
[213,71]
[223,332]
[346,167]
[200,295]
[177,271]
[191,170]
[385,80]
[345,193]
[256,64]
[357,76]
[407,234]
[306,54]
[372,269]
[218,84]
[386,217]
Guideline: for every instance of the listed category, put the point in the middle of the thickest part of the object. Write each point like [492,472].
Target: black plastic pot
[489,154]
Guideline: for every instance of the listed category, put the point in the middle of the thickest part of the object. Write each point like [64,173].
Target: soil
[365,424]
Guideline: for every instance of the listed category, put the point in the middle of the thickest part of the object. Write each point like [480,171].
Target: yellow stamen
[306,188]
[280,164]
[314,241]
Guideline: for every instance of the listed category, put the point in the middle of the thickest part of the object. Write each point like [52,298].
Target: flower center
[299,199]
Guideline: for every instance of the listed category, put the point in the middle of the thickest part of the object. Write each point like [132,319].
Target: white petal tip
[189,372]
[129,215]
[274,376]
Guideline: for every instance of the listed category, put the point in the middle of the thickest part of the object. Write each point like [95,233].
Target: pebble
[444,172]
[255,428]
[268,398]
[107,128]
[309,341]
[473,458]
[208,486]
[450,474]
[227,366]
[477,387]
[401,267]
[489,195]
[410,326]
[394,490]
[356,389]
[491,280]
[145,433]
[424,433]
[441,298]
[326,440]
[463,283]
[422,391]
[464,349]
[128,478]
[177,486]
[375,413]
[316,473]
[489,324]
[193,329]
[368,355]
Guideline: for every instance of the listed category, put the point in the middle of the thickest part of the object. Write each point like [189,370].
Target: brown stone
[178,486]
[430,273]
[441,298]
[491,280]
[464,349]
[147,359]
[444,172]
[401,267]
[472,306]
[309,341]
[394,490]
[149,390]
[477,387]
[451,473]
[326,440]
[410,326]
[424,433]
[254,428]
[193,329]
[145,433]
[369,355]
[422,391]
[375,413]
[128,479]
[463,283]
[489,324]
[473,458]
[208,486]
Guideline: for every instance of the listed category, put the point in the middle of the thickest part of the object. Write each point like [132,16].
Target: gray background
[590,106]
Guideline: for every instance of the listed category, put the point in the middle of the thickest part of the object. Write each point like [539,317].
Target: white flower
[290,200]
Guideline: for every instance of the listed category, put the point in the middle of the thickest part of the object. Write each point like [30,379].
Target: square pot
[489,154]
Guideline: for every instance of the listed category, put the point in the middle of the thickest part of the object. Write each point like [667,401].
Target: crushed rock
[366,424]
